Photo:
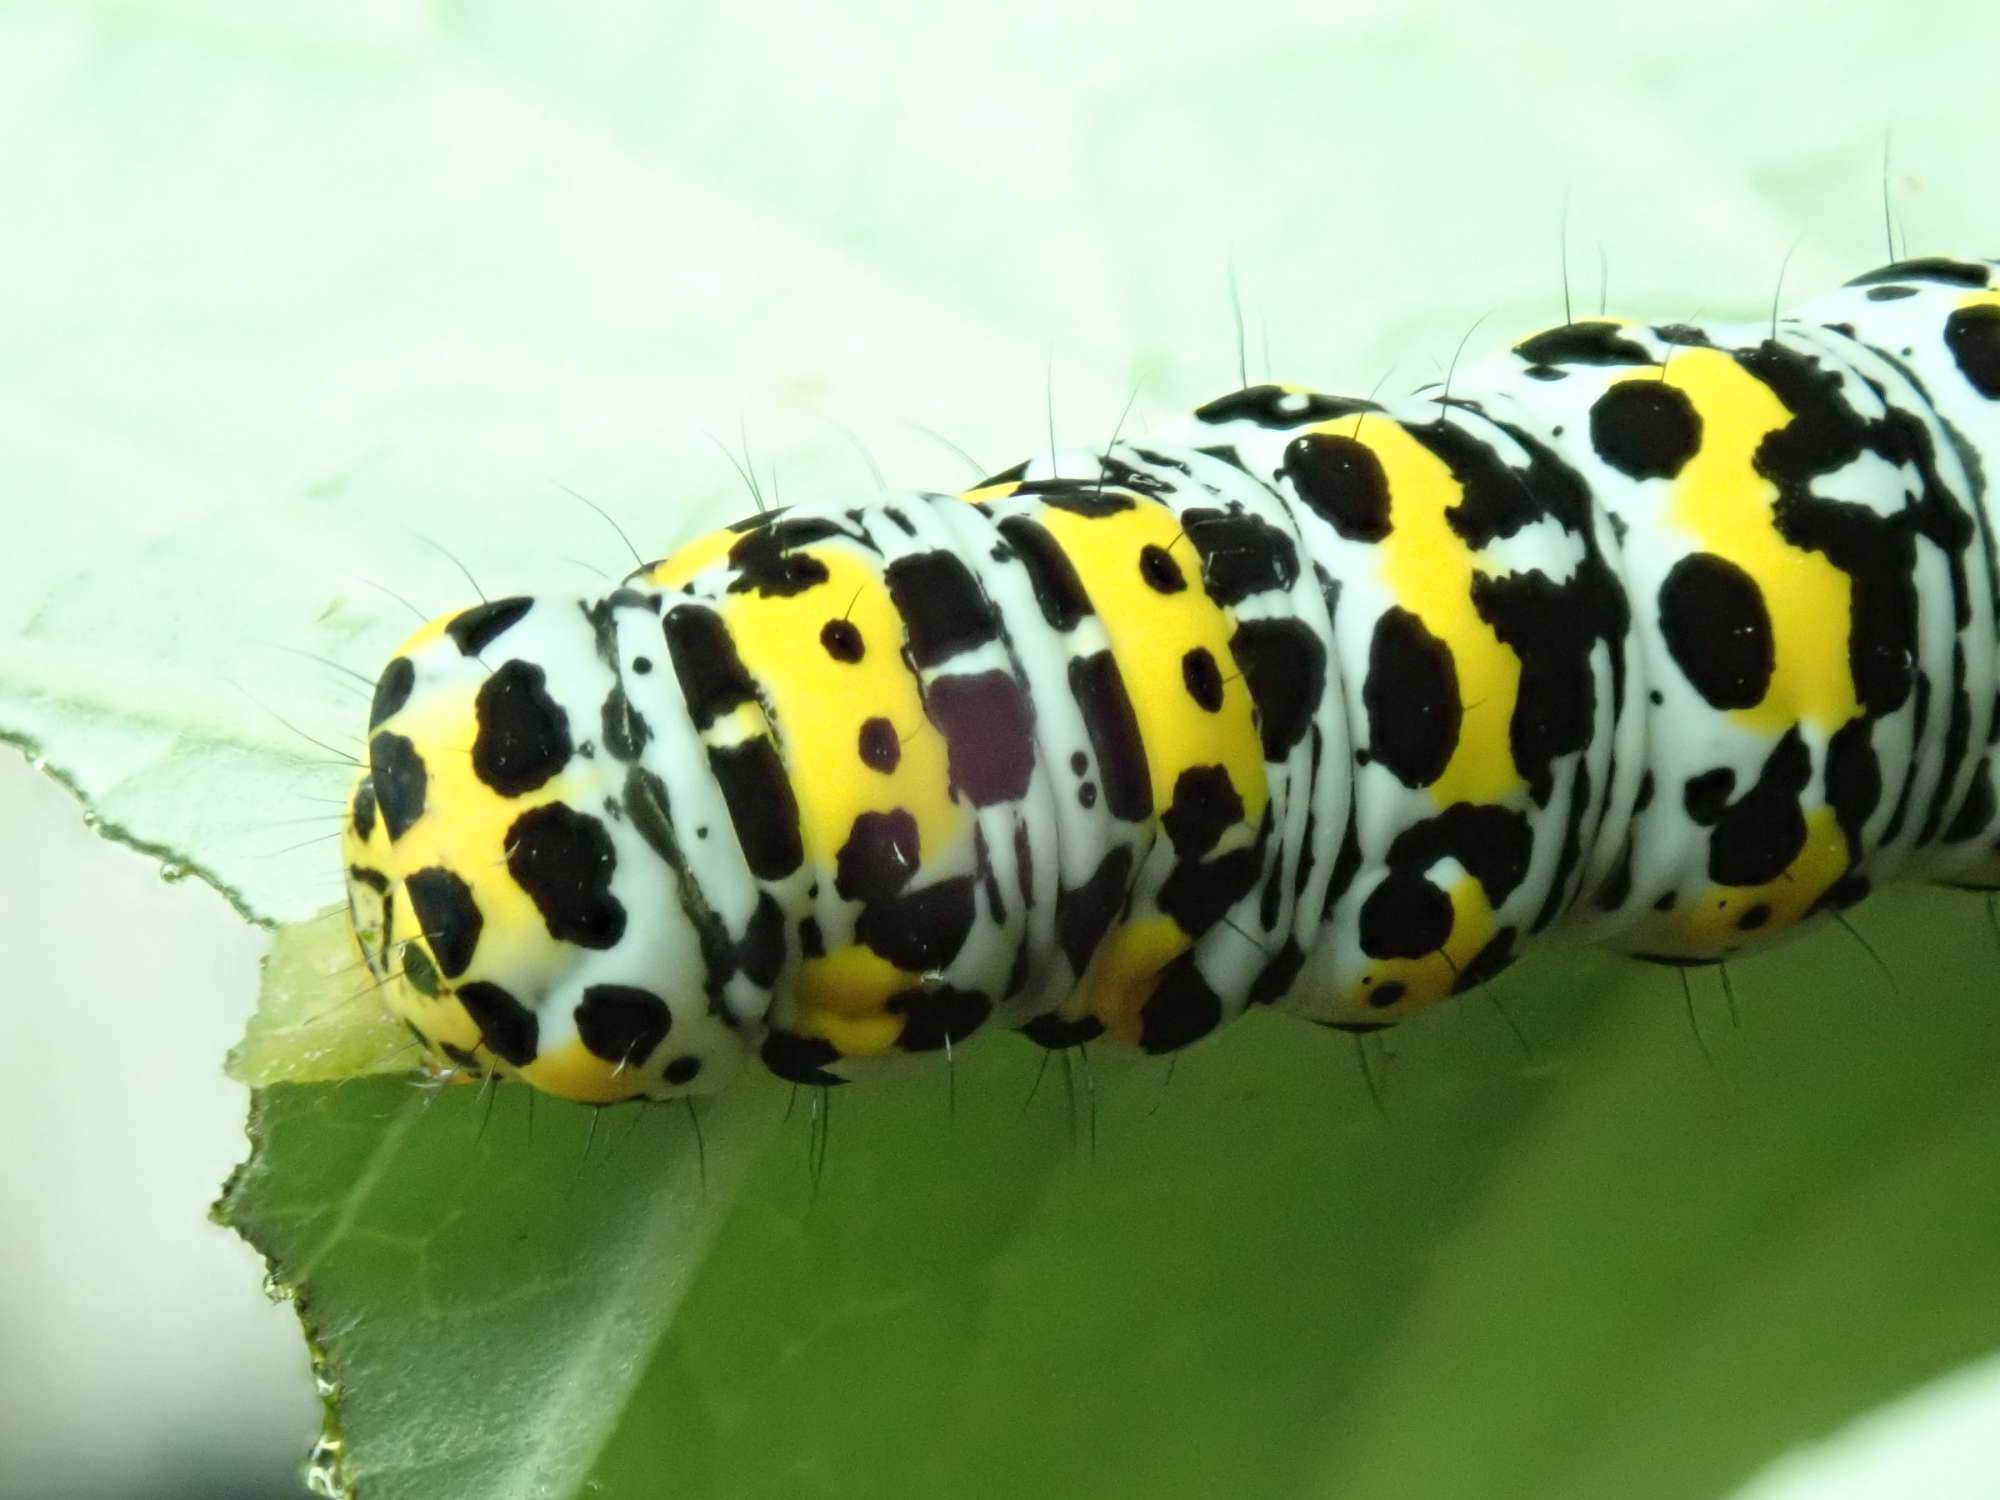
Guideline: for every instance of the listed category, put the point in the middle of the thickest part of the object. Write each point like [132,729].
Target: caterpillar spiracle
[1672,637]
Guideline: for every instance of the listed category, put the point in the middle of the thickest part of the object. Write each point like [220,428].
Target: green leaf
[291,289]
[320,1016]
[1589,1259]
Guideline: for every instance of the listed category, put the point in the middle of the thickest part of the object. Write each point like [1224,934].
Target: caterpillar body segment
[1672,637]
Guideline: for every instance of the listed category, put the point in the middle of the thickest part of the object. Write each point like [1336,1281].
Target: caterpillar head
[506,892]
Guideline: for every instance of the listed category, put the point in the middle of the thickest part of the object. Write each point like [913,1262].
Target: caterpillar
[1672,637]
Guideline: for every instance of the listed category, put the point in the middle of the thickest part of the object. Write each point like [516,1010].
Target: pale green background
[279,283]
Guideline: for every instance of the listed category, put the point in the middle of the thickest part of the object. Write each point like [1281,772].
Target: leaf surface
[302,302]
